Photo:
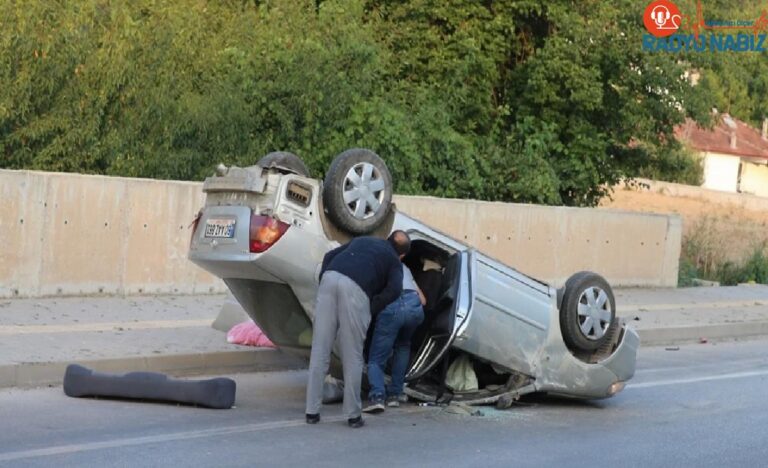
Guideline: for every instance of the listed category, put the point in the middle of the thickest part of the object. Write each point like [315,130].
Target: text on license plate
[217,227]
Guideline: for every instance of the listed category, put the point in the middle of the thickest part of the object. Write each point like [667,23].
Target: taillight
[265,231]
[194,224]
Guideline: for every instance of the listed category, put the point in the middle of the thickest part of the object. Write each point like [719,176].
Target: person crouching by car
[392,335]
[356,280]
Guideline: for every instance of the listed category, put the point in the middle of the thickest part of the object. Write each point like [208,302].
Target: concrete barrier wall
[551,243]
[742,200]
[70,234]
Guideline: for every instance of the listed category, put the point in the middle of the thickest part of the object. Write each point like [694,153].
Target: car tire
[587,311]
[285,162]
[357,191]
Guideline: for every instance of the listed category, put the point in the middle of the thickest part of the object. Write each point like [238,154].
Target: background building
[735,155]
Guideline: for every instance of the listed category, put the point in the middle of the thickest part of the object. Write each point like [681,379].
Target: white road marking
[215,432]
[705,378]
[172,437]
[751,362]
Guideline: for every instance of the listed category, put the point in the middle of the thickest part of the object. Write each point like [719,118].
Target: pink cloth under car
[249,334]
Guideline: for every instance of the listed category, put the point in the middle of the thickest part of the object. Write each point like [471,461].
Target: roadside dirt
[723,231]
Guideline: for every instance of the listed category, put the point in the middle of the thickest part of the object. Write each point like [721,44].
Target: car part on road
[333,390]
[587,311]
[357,192]
[218,393]
[505,401]
[284,162]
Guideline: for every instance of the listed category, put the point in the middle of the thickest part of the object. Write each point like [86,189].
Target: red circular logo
[662,18]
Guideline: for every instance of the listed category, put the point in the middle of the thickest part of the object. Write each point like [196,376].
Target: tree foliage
[515,100]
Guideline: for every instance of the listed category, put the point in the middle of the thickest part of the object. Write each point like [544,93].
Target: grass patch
[700,260]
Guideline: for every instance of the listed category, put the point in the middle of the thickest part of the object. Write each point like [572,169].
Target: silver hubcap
[594,313]
[363,190]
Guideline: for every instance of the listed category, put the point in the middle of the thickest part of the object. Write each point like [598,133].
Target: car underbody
[490,333]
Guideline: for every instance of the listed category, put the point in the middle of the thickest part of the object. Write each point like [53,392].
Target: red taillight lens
[265,231]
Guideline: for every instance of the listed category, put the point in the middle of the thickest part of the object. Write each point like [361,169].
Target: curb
[688,334]
[32,374]
[634,308]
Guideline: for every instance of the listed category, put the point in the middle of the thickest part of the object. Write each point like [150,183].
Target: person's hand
[422,298]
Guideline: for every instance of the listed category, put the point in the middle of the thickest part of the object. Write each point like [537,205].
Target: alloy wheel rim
[594,311]
[364,190]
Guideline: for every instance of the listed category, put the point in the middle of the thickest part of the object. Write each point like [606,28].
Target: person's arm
[329,256]
[422,298]
[392,290]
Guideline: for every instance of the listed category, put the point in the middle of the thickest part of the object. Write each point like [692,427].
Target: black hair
[400,242]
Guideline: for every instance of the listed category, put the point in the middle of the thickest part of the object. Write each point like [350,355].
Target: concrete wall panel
[82,235]
[68,234]
[551,243]
[22,217]
[158,223]
[742,200]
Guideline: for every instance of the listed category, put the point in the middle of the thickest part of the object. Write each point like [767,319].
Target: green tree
[516,100]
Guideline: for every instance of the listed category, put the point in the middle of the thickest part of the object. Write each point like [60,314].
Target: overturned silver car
[265,229]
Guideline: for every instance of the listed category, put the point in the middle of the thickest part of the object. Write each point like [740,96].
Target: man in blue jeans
[394,328]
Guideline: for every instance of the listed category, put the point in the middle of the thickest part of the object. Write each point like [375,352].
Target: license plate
[217,227]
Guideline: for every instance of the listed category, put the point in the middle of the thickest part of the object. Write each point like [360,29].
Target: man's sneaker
[356,422]
[396,400]
[375,405]
[313,418]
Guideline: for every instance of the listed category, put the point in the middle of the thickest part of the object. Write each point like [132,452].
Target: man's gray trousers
[342,310]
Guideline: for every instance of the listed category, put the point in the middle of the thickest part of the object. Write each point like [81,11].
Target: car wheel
[284,162]
[357,193]
[587,311]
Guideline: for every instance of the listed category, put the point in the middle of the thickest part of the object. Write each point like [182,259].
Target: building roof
[749,141]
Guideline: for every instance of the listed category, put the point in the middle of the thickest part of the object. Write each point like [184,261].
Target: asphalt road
[700,405]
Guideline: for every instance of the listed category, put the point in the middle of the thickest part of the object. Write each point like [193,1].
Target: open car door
[445,321]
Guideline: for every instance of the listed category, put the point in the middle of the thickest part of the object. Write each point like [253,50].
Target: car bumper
[574,378]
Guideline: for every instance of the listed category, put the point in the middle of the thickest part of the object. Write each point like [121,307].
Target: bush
[702,256]
[703,248]
[729,274]
[756,268]
[686,273]
[695,262]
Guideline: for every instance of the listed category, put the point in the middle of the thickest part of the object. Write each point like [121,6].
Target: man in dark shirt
[356,280]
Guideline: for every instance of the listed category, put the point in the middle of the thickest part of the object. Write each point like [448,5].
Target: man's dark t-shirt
[373,264]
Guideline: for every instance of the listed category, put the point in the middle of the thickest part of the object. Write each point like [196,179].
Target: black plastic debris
[218,393]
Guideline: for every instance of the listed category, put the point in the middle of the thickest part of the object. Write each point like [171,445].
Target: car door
[509,315]
[457,300]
